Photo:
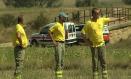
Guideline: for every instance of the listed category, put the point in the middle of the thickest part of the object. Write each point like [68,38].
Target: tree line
[52,3]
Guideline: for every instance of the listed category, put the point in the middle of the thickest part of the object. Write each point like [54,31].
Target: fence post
[84,16]
[78,16]
[128,13]
[55,19]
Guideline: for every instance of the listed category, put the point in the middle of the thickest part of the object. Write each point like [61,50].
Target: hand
[89,43]
[55,43]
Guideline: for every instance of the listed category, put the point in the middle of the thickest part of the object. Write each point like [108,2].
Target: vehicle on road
[42,38]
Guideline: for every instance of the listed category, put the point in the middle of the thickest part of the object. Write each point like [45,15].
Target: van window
[79,27]
[71,28]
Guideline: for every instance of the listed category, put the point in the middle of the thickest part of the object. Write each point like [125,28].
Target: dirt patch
[6,44]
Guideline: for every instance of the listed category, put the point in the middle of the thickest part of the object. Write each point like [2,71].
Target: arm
[87,41]
[84,33]
[50,34]
[66,34]
[18,35]
[116,19]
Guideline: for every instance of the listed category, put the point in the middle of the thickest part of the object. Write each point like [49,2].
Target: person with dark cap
[57,34]
[20,42]
[92,33]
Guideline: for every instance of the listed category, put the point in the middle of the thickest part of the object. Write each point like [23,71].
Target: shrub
[33,3]
[85,3]
[127,1]
[76,16]
[7,20]
[40,21]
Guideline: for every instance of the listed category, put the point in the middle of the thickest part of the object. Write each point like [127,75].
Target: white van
[71,32]
[43,38]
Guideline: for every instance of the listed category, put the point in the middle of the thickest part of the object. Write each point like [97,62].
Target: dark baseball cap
[62,14]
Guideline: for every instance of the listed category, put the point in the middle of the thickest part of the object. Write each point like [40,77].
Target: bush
[40,21]
[33,3]
[54,3]
[85,3]
[76,16]
[7,20]
[127,1]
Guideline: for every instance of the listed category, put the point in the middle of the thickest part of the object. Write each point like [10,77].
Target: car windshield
[45,28]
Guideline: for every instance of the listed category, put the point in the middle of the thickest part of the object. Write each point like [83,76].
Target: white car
[42,38]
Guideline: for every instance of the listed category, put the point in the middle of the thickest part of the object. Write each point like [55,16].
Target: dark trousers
[98,56]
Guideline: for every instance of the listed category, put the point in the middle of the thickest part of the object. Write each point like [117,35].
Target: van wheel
[43,45]
[70,45]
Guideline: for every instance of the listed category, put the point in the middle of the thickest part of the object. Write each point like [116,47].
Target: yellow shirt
[19,28]
[58,32]
[94,31]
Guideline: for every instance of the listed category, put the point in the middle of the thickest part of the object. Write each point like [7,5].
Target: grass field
[39,63]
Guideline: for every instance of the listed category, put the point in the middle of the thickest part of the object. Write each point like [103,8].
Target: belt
[61,41]
[18,46]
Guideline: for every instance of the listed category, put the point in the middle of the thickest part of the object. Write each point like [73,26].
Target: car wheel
[34,43]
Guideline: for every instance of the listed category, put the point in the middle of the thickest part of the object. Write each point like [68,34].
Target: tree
[54,3]
[33,3]
[7,20]
[85,3]
[40,21]
[127,1]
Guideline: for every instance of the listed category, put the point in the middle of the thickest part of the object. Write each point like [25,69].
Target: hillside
[71,3]
[2,5]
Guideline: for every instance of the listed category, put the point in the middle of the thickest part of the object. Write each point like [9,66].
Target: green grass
[39,63]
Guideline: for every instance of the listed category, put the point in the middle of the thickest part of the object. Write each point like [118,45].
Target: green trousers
[98,56]
[19,54]
[59,55]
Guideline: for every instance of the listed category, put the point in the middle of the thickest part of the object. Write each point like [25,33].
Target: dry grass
[39,63]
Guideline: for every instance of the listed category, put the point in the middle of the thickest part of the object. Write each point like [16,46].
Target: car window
[44,30]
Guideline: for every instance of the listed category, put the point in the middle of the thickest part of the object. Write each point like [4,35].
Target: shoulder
[54,26]
[57,24]
[18,26]
[88,22]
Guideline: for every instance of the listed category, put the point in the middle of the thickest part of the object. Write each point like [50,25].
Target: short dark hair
[94,9]
[20,19]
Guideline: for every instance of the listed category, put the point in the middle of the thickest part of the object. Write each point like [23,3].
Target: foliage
[40,21]
[85,3]
[127,1]
[7,20]
[32,3]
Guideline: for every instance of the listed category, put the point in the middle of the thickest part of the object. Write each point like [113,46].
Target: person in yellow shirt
[20,42]
[92,33]
[57,34]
